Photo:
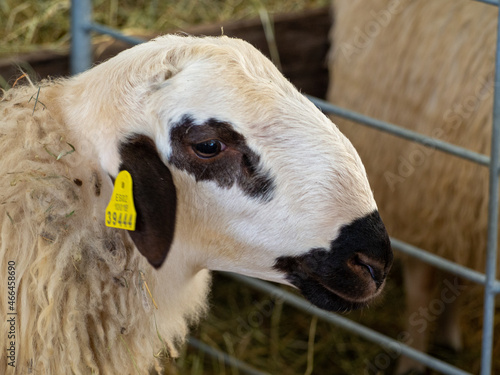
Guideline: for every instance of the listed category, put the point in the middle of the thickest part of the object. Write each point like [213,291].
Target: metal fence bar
[491,256]
[491,2]
[444,264]
[224,357]
[101,29]
[393,347]
[81,44]
[401,132]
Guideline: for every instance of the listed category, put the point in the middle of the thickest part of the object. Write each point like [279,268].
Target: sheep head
[233,167]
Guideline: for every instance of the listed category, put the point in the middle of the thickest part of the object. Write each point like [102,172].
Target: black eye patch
[215,151]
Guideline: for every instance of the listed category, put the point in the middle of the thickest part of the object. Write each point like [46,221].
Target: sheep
[428,66]
[231,169]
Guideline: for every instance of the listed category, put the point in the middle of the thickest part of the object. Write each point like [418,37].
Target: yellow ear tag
[120,212]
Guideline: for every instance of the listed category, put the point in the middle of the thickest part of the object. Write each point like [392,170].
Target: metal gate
[82,27]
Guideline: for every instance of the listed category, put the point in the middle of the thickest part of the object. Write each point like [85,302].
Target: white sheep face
[234,168]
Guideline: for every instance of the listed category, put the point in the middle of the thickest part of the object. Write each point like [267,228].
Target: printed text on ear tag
[120,212]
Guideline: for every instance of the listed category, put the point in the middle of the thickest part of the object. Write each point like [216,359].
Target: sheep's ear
[155,198]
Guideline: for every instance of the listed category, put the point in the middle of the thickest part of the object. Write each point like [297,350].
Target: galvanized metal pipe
[101,29]
[224,357]
[81,46]
[443,264]
[491,2]
[401,132]
[491,256]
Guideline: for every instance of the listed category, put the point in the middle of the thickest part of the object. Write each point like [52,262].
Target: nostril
[373,267]
[370,269]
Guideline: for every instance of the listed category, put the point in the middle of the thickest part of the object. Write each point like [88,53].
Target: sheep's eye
[208,149]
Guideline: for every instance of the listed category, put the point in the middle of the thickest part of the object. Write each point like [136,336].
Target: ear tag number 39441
[120,212]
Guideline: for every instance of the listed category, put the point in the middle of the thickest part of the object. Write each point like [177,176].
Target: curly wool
[81,301]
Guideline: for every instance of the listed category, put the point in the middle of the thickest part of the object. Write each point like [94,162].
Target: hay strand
[130,355]
[310,345]
[62,153]
[163,353]
[36,101]
[19,78]
[146,288]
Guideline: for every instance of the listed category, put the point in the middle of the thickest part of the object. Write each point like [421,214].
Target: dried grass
[32,24]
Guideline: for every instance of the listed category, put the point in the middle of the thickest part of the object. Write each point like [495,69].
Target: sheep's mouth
[321,292]
[326,298]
